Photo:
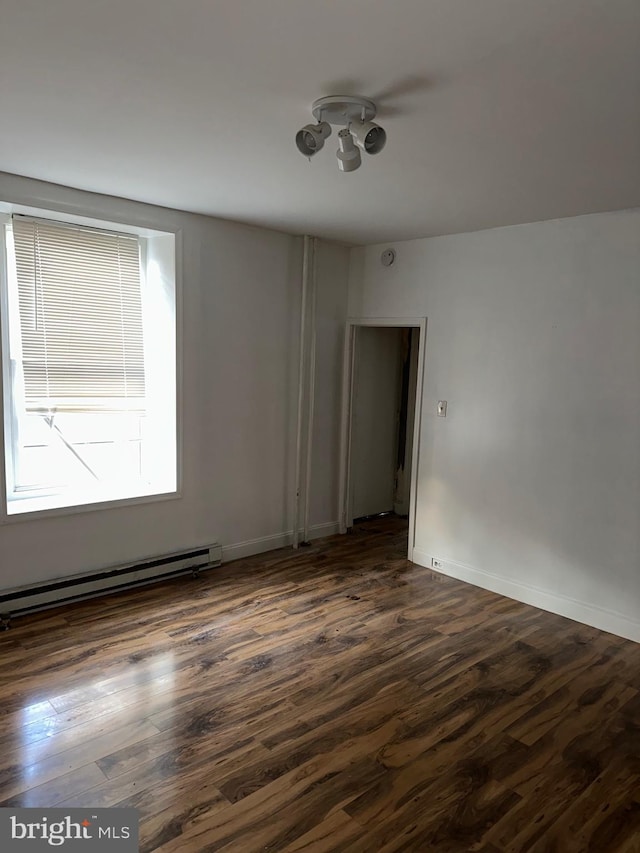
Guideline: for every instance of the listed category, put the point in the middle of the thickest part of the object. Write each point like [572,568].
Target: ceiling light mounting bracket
[343,110]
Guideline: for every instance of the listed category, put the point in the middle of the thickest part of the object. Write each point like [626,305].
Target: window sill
[28,509]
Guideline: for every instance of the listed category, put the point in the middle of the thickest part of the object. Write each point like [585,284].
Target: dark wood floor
[334,699]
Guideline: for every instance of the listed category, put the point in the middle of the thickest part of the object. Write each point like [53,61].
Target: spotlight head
[348,155]
[369,136]
[311,138]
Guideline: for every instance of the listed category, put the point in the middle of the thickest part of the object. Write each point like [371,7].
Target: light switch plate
[442,408]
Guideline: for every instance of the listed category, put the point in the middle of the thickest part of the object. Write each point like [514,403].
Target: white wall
[531,485]
[240,308]
[374,419]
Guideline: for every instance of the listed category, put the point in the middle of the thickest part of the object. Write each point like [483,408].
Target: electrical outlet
[435,563]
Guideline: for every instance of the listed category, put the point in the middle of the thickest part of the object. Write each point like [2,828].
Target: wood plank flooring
[337,698]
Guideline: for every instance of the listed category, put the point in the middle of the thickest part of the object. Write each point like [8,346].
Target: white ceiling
[497,111]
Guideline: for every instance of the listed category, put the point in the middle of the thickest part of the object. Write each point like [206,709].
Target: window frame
[69,501]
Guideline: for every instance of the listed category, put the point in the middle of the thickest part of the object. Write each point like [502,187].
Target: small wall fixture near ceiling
[359,132]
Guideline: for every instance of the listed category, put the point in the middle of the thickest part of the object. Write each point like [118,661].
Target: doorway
[382,389]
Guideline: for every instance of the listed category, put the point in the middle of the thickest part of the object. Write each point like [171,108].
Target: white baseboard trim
[580,611]
[327,528]
[276,540]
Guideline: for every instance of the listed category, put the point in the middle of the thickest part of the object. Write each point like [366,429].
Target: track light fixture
[311,138]
[348,155]
[369,136]
[359,133]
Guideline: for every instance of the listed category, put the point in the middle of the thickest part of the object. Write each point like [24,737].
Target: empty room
[320,469]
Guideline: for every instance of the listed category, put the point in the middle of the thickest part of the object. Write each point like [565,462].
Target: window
[88,338]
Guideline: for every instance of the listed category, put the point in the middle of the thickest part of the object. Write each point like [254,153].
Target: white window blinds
[80,317]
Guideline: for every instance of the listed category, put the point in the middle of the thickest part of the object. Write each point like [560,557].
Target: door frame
[352,323]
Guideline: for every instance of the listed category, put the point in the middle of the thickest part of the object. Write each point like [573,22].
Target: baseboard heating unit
[28,599]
